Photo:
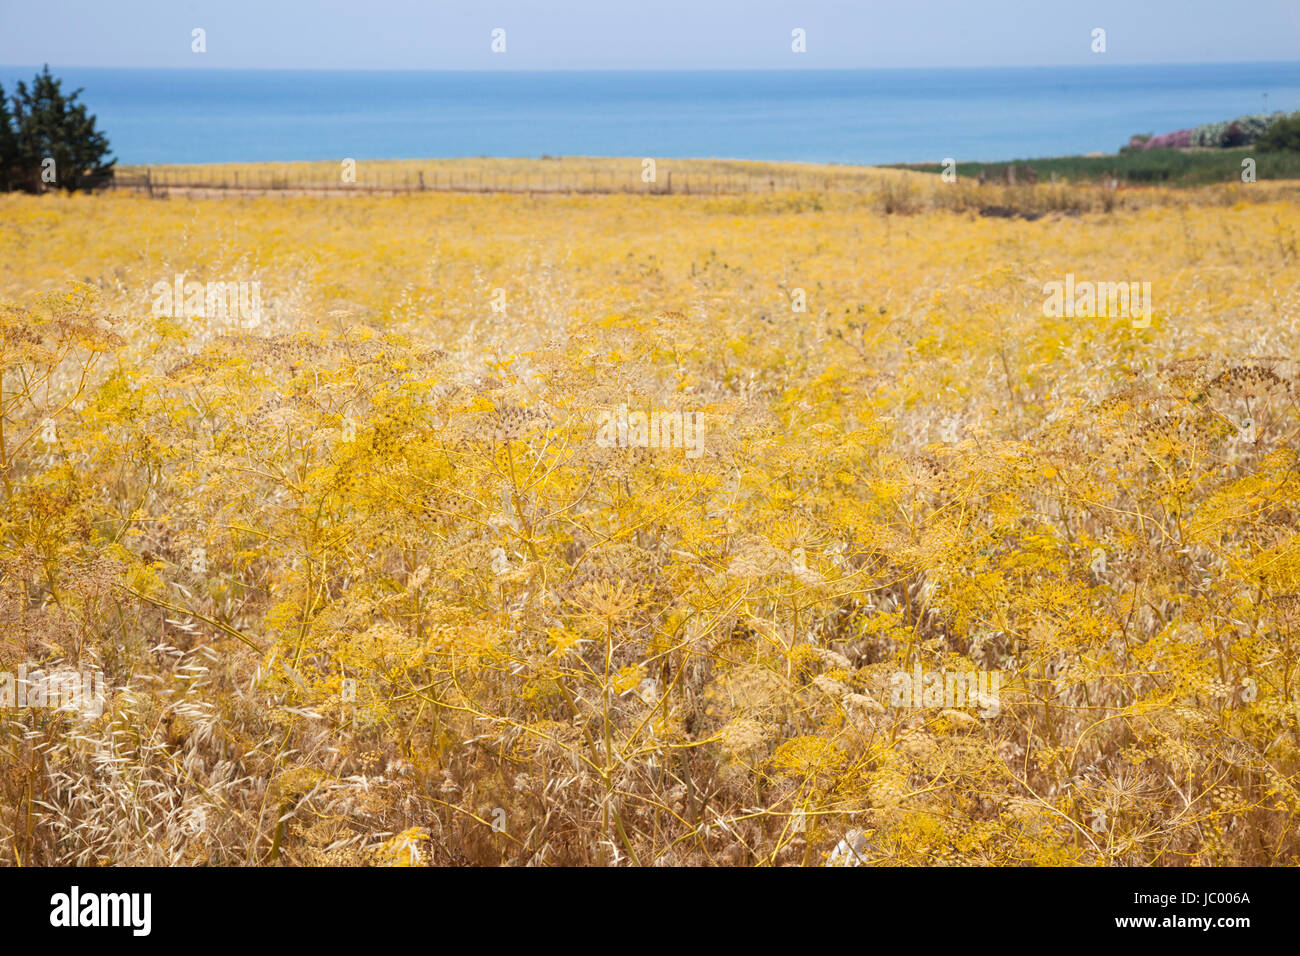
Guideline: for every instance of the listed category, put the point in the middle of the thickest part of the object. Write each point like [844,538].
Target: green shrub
[1282,135]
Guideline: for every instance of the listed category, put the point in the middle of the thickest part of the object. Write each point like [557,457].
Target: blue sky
[653,34]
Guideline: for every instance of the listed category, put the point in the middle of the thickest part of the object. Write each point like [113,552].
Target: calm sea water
[841,116]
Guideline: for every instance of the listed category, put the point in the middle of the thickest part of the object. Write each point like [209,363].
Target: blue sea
[835,116]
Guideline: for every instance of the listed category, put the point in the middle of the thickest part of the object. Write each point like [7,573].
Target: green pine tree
[8,144]
[53,126]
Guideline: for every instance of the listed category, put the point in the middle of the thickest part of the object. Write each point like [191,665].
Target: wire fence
[164,182]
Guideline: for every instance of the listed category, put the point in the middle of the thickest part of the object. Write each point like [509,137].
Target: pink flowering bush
[1178,139]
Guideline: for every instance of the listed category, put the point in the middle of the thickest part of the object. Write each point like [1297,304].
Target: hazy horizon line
[728,69]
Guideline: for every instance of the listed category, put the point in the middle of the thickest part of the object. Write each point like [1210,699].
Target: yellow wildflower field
[908,523]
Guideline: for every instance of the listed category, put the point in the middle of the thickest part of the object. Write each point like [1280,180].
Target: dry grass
[435,620]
